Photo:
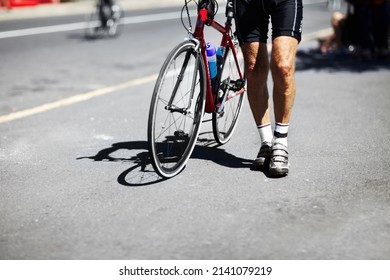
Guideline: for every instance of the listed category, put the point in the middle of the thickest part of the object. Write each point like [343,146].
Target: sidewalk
[77,7]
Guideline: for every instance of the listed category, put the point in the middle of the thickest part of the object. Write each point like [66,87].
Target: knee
[283,71]
[256,70]
[337,17]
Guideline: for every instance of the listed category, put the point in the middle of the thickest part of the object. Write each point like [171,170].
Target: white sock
[280,133]
[265,132]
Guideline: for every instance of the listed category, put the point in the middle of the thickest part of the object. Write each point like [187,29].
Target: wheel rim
[225,122]
[173,134]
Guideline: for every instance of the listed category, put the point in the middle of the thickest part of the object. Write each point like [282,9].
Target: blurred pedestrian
[373,25]
[334,41]
[364,29]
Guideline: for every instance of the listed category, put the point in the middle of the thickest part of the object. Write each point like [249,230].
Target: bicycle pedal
[180,134]
[238,84]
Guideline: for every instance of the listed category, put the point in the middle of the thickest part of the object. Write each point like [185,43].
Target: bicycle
[105,20]
[184,92]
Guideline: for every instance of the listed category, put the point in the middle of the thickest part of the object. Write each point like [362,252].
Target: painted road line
[317,35]
[82,25]
[89,95]
[76,99]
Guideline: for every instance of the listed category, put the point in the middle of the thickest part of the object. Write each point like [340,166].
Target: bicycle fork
[172,108]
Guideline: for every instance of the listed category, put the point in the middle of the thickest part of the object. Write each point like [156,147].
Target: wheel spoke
[176,111]
[231,95]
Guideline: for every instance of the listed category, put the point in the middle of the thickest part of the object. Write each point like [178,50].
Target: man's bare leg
[256,71]
[282,63]
[284,50]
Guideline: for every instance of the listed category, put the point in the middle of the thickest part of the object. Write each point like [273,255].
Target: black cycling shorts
[252,19]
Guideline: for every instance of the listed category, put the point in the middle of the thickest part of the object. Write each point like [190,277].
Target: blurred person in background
[108,10]
[363,30]
[373,25]
[334,42]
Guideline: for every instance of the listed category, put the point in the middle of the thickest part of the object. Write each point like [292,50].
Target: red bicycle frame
[226,42]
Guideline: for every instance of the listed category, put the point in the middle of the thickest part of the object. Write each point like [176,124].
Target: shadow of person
[209,150]
[313,59]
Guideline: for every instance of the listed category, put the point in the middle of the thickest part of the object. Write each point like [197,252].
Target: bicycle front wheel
[176,110]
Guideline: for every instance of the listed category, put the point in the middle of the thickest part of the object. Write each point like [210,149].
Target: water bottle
[220,54]
[215,82]
[212,59]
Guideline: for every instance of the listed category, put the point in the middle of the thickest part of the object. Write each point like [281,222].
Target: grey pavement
[76,182]
[84,6]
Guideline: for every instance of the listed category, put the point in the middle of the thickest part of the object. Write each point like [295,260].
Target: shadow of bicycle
[141,173]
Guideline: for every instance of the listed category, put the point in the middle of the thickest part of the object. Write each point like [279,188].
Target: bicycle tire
[172,133]
[93,26]
[225,122]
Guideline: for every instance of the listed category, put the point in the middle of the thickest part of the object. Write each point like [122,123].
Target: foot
[263,156]
[279,165]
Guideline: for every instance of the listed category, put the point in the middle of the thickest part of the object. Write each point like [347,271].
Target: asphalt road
[76,181]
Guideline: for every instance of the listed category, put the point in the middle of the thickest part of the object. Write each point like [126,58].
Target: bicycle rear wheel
[230,97]
[176,110]
[115,23]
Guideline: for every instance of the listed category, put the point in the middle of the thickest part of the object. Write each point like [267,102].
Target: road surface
[76,181]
